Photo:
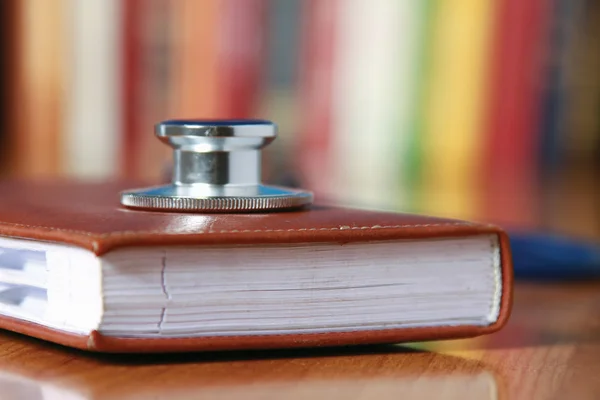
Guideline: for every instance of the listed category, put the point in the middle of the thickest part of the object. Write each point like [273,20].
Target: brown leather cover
[90,216]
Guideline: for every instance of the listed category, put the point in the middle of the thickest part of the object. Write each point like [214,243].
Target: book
[91,133]
[364,101]
[146,81]
[411,150]
[242,52]
[8,32]
[454,107]
[35,140]
[78,269]
[375,66]
[565,21]
[280,100]
[316,76]
[582,81]
[513,114]
[218,55]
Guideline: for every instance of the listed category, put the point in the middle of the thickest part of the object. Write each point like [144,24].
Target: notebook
[78,269]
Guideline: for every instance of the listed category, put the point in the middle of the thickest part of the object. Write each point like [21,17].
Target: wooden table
[550,349]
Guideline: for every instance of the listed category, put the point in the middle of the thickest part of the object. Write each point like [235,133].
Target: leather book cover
[90,216]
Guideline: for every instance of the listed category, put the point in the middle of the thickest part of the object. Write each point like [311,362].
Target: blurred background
[477,109]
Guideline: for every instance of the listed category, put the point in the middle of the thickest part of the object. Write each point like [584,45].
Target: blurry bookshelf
[462,108]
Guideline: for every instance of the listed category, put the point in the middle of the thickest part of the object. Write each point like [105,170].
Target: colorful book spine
[9,32]
[241,52]
[35,145]
[582,81]
[564,23]
[454,107]
[316,95]
[373,99]
[131,56]
[513,113]
[92,132]
[146,84]
[411,127]
[7,69]
[279,100]
[219,58]
[195,59]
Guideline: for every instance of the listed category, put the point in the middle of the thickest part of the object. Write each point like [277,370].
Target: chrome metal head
[217,167]
[219,135]
[216,152]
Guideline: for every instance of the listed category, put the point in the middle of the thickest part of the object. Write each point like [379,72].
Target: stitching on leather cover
[164,232]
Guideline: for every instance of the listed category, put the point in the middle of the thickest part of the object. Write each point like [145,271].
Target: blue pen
[542,256]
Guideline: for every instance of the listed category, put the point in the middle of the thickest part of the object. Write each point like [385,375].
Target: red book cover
[514,108]
[316,93]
